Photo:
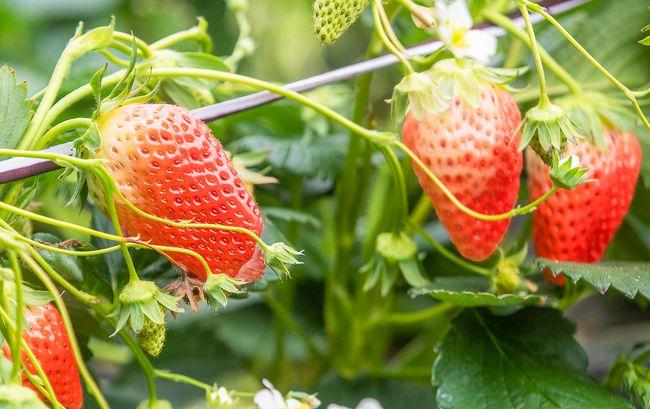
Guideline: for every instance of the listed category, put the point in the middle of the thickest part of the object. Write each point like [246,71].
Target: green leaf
[318,157]
[466,291]
[290,215]
[630,278]
[525,360]
[14,109]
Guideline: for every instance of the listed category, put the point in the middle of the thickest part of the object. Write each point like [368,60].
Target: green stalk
[629,94]
[534,47]
[60,128]
[548,60]
[18,329]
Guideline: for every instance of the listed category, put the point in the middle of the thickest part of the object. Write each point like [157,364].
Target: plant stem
[60,128]
[381,29]
[145,363]
[92,387]
[285,316]
[534,47]
[398,176]
[18,329]
[629,94]
[198,33]
[447,254]
[130,38]
[548,60]
[421,210]
[182,379]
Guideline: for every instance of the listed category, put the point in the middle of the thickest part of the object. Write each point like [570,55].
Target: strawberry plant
[431,235]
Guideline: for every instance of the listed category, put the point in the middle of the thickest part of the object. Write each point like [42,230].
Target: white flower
[271,398]
[367,403]
[455,31]
[221,397]
[424,94]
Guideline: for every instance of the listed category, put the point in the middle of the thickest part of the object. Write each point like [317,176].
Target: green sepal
[395,253]
[631,374]
[95,39]
[567,173]
[217,287]
[19,397]
[140,300]
[547,129]
[645,41]
[278,255]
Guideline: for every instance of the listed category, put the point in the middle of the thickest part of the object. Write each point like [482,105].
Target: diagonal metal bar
[20,168]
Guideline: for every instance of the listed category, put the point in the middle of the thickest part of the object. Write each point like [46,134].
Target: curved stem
[448,254]
[198,33]
[182,379]
[548,61]
[381,30]
[534,47]
[18,329]
[402,203]
[60,128]
[92,387]
[628,93]
[145,363]
[130,38]
[412,317]
[487,217]
[114,58]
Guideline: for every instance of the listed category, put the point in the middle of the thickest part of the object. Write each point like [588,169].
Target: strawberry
[579,224]
[474,152]
[47,338]
[333,17]
[167,163]
[152,337]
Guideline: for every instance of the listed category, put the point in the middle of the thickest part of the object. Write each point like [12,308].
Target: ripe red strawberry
[48,340]
[475,154]
[579,224]
[167,163]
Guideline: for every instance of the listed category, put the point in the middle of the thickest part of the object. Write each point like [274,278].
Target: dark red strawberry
[579,224]
[474,152]
[167,163]
[47,338]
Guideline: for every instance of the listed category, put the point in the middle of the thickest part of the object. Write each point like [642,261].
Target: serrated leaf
[291,215]
[14,109]
[630,278]
[466,291]
[525,360]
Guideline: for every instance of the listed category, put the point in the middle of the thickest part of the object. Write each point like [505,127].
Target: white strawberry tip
[454,29]
[140,300]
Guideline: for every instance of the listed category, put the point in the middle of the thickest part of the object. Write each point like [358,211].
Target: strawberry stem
[549,62]
[387,35]
[61,128]
[18,329]
[629,94]
[534,47]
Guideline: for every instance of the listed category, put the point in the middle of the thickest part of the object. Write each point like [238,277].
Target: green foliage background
[247,342]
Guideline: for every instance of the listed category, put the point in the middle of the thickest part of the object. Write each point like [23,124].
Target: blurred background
[247,342]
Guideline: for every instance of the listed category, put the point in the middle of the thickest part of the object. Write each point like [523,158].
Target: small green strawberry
[152,335]
[333,17]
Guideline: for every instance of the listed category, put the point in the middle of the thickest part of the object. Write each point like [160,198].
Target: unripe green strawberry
[333,17]
[152,336]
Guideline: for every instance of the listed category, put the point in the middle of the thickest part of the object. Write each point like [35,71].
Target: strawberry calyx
[506,276]
[566,173]
[278,255]
[217,287]
[19,397]
[140,301]
[546,129]
[432,91]
[395,253]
